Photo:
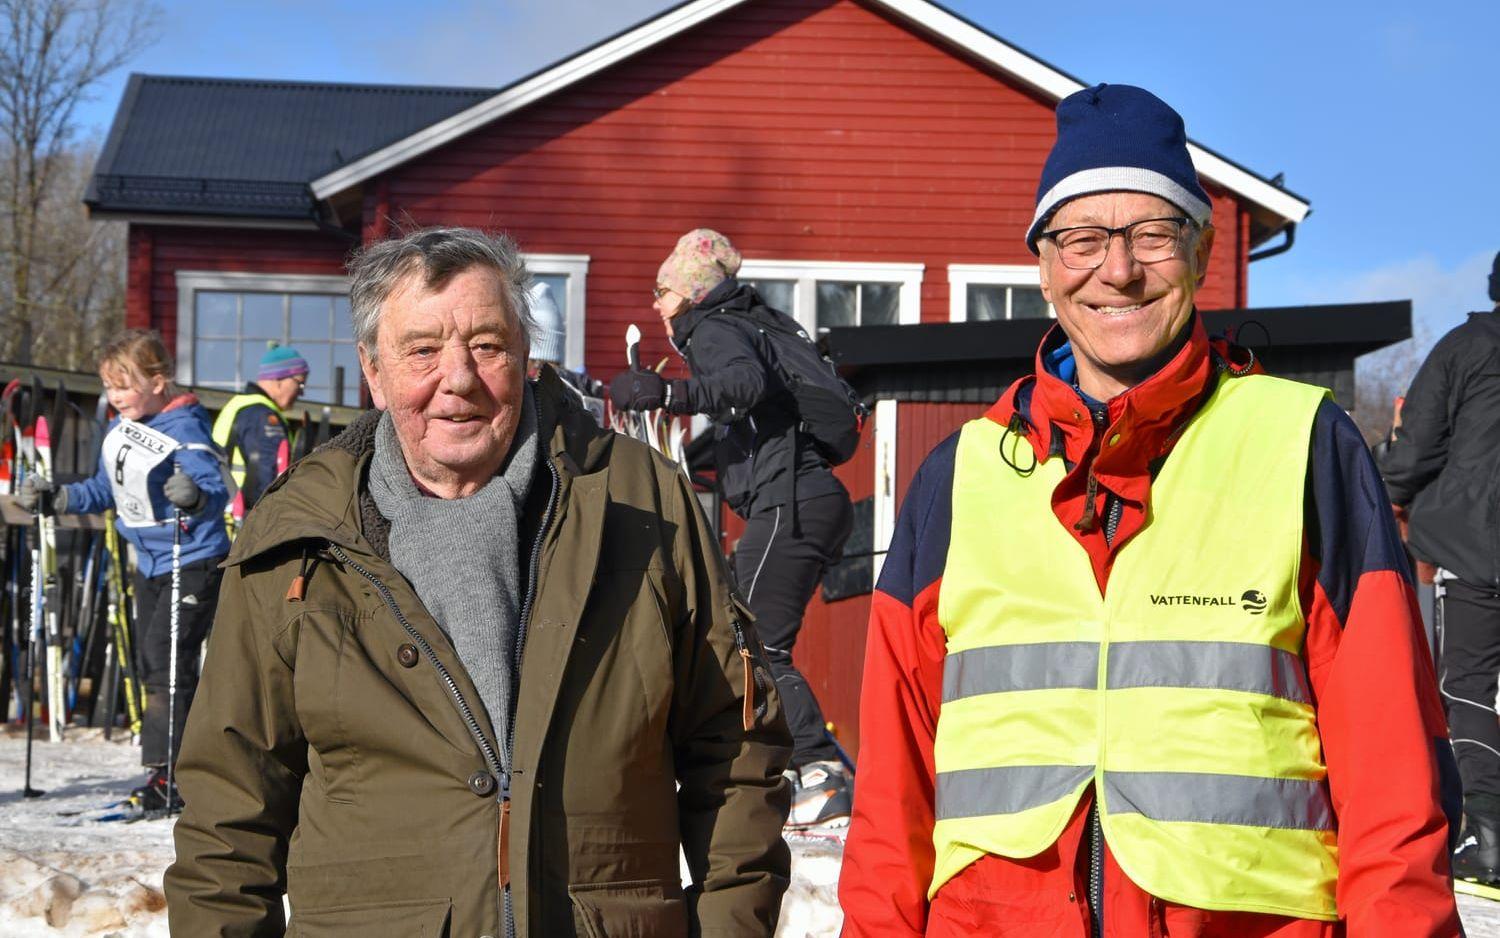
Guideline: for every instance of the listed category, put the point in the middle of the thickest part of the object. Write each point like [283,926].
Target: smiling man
[1144,659]
[477,668]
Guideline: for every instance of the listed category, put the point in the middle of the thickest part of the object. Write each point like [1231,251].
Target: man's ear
[371,369]
[1202,252]
[1041,264]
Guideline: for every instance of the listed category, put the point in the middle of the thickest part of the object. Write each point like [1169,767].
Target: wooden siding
[157,253]
[830,651]
[803,129]
[920,427]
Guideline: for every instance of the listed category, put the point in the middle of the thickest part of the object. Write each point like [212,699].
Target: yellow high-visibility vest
[1181,695]
[223,430]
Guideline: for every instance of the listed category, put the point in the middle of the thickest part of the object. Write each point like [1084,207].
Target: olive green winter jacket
[337,751]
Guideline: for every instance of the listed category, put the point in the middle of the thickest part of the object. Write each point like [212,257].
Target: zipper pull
[298,589]
[1090,519]
[748,711]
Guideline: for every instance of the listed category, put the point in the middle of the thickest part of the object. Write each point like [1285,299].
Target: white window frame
[808,273]
[886,414]
[576,268]
[961,276]
[190,282]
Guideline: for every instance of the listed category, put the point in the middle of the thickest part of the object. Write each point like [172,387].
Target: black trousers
[1469,668]
[777,566]
[153,603]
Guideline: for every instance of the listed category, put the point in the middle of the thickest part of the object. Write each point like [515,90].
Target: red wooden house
[875,160]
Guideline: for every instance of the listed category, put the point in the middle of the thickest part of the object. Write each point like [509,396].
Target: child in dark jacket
[158,468]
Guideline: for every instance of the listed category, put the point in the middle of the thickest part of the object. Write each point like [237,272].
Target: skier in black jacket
[1443,465]
[797,513]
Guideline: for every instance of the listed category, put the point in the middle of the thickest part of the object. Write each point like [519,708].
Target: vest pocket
[417,918]
[648,908]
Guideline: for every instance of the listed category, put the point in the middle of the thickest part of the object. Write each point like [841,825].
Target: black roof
[216,146]
[975,361]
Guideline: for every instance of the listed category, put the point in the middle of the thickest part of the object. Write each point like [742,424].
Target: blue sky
[1383,114]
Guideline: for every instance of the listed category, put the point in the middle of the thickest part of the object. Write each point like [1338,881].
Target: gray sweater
[463,558]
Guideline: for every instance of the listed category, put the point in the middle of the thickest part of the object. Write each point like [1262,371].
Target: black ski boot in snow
[1477,858]
[152,799]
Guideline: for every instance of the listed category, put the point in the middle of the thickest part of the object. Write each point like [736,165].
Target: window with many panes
[824,295]
[983,292]
[227,321]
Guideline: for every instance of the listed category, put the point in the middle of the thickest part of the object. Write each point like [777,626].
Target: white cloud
[1440,294]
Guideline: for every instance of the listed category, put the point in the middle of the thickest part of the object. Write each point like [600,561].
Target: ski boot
[152,798]
[822,796]
[1477,858]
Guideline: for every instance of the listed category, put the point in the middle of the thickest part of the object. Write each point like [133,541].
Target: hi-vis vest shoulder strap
[224,429]
[1181,694]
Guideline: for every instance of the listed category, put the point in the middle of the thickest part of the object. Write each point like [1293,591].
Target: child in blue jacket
[158,467]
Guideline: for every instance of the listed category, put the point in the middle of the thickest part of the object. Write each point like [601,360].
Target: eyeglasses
[660,292]
[1149,241]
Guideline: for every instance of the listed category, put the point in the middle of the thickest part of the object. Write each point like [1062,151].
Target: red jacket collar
[1139,429]
[1056,420]
[185,399]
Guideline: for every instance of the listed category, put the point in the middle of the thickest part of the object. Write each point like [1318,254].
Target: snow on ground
[62,874]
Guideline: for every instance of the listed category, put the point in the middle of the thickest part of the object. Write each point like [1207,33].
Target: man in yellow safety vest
[252,428]
[1144,649]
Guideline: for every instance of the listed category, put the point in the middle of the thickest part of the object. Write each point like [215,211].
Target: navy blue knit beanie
[1113,138]
[1495,279]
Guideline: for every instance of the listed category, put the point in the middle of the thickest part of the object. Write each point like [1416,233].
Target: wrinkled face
[133,396]
[450,368]
[1122,316]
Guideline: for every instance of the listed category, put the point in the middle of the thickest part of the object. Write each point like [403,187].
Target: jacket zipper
[458,698]
[1112,511]
[1096,869]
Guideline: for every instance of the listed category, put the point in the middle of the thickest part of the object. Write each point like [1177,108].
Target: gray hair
[437,254]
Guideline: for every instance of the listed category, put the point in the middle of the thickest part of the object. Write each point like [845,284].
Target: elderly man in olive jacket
[477,669]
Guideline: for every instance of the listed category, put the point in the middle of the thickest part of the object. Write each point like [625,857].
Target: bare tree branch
[53,53]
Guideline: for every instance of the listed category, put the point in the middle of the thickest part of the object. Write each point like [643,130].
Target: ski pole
[33,632]
[177,523]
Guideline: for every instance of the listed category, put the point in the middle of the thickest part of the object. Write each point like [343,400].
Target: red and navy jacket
[1390,769]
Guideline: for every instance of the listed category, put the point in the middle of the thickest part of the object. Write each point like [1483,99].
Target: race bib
[132,451]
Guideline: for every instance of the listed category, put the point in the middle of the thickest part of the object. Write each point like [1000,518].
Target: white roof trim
[1008,59]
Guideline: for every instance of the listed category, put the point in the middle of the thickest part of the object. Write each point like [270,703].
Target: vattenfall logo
[1252,601]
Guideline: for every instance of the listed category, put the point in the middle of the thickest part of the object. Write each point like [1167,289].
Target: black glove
[183,492]
[637,390]
[41,496]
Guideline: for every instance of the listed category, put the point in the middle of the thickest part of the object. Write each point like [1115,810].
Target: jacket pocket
[642,908]
[412,918]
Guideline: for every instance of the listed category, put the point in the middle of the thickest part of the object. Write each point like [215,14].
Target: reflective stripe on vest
[1181,695]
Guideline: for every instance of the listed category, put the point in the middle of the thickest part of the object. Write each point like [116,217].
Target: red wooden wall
[158,252]
[803,129]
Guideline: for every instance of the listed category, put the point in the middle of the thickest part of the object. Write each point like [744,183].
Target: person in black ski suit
[797,513]
[1443,466]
